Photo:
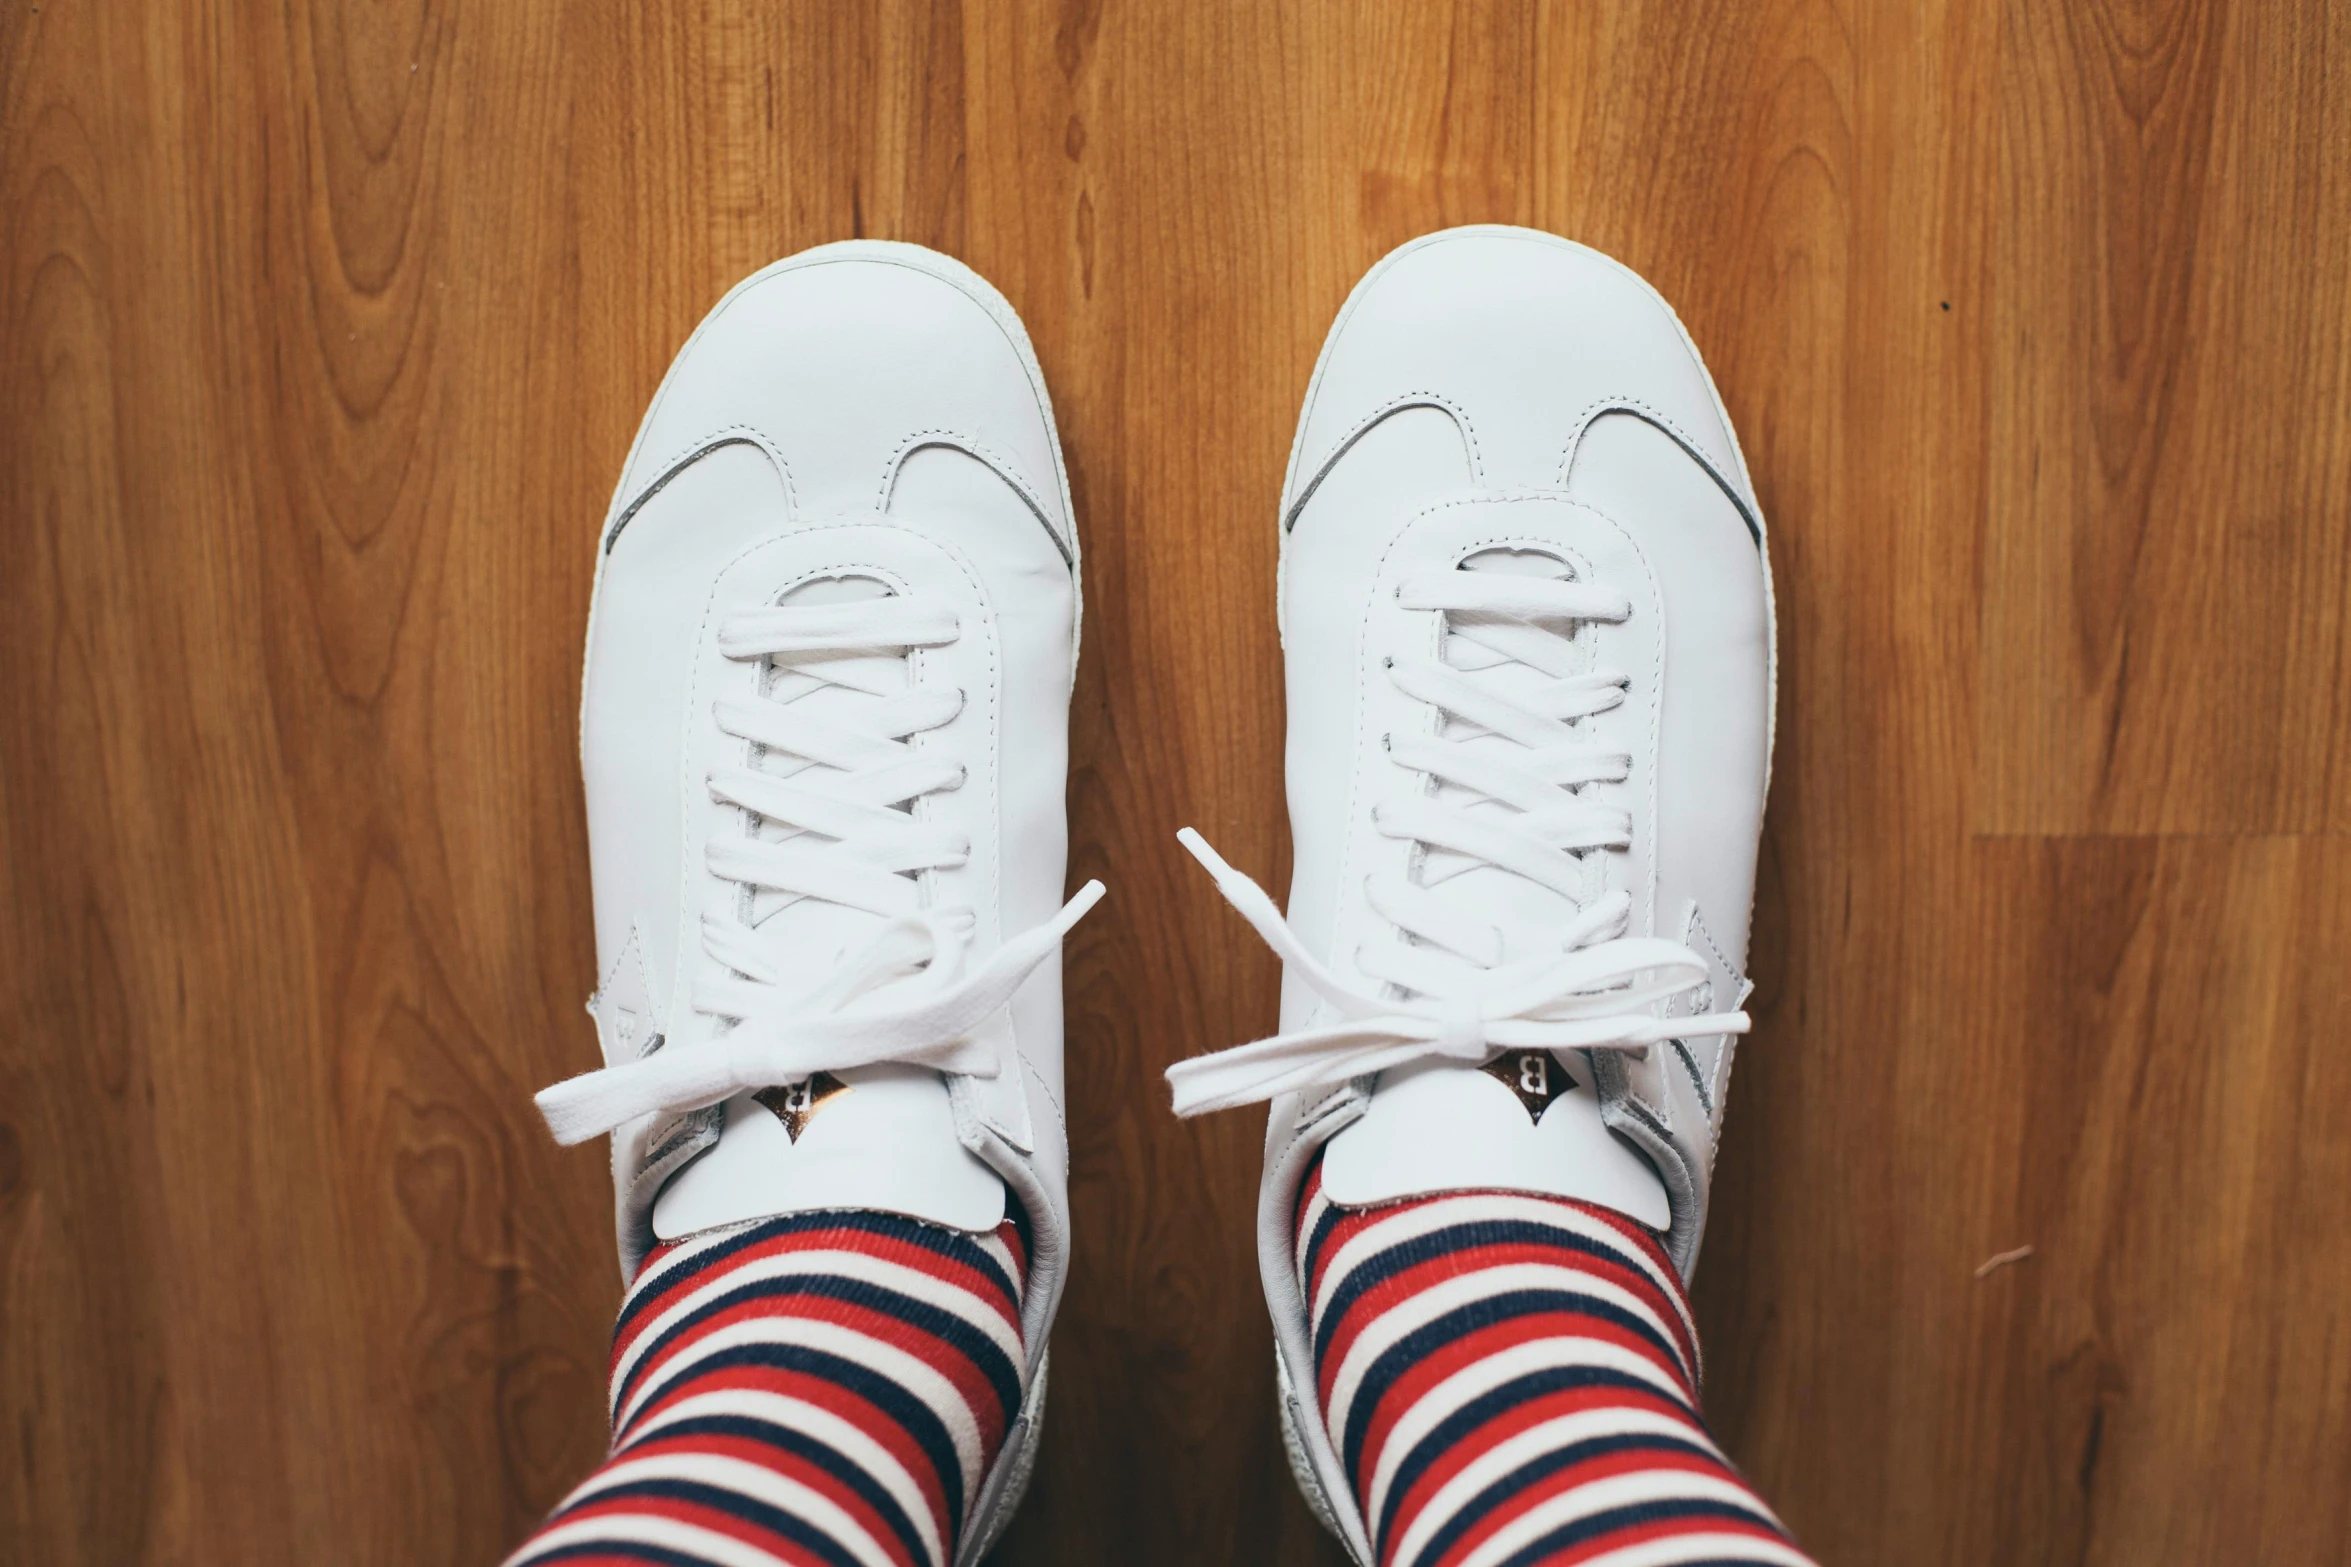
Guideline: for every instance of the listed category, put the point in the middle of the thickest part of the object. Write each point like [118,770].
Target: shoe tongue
[878,1137]
[1527,1121]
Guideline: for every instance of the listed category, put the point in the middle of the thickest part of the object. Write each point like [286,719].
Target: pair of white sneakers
[1526,614]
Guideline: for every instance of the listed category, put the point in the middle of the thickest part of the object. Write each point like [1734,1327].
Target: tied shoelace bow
[919,1006]
[911,994]
[1446,995]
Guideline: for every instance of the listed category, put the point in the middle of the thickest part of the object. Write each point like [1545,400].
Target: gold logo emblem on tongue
[1533,1076]
[796,1104]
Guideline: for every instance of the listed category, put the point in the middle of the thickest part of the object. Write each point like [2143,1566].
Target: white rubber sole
[1000,1494]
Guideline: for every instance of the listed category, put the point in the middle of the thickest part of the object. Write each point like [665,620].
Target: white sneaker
[825,732]
[1527,620]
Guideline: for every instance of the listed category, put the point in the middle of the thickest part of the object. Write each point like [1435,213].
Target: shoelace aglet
[1190,838]
[1252,902]
[1080,903]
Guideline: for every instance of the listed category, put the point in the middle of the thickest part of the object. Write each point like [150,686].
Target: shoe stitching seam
[1043,1087]
[1656,741]
[693,452]
[995,730]
[998,462]
[1619,402]
[1709,1093]
[1749,513]
[1363,426]
[1698,924]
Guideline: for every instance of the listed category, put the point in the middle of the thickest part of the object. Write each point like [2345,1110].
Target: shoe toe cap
[844,359]
[1524,338]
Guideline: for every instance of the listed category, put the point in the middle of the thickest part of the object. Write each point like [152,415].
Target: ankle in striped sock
[818,1388]
[1513,1380]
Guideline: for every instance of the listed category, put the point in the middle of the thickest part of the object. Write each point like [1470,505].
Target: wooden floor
[324,325]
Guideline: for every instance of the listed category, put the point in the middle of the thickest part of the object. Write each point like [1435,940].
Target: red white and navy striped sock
[822,1388]
[1513,1380]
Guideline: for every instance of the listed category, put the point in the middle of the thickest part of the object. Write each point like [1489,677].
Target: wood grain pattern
[2168,447]
[323,328]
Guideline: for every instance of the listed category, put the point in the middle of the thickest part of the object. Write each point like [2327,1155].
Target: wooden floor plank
[2165,641]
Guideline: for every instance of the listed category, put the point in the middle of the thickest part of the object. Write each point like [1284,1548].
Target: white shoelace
[1446,994]
[829,827]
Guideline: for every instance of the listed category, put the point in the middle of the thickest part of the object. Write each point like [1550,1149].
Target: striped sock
[1513,1380]
[822,1388]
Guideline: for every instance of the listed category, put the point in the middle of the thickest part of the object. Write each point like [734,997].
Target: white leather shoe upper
[824,728]
[1528,633]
